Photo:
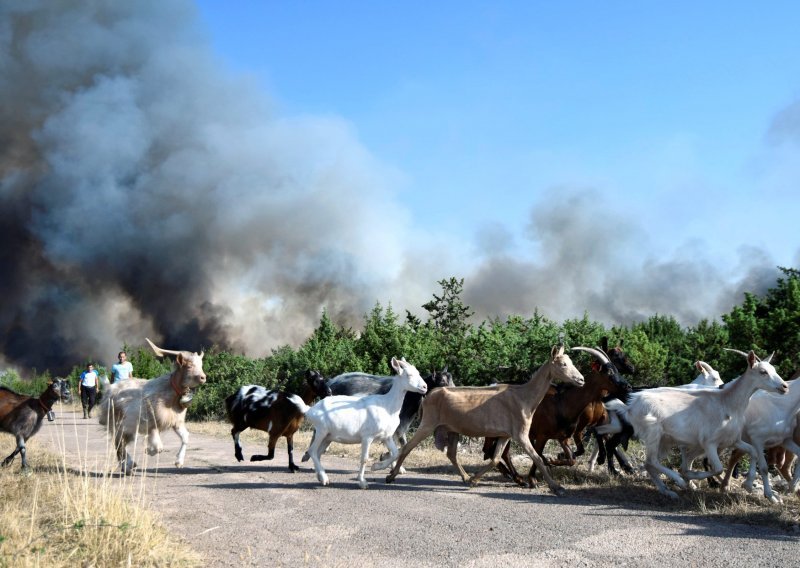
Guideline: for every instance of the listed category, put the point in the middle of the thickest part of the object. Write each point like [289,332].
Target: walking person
[88,388]
[123,370]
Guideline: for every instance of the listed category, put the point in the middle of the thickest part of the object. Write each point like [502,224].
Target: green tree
[780,322]
[449,316]
[330,349]
[649,356]
[380,340]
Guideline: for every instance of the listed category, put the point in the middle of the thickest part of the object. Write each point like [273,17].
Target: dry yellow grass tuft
[55,516]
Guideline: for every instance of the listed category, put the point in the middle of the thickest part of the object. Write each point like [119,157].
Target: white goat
[360,420]
[142,406]
[770,420]
[699,421]
[708,378]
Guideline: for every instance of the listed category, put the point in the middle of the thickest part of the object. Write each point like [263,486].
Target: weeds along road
[258,514]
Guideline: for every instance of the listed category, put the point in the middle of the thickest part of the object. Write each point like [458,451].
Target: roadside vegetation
[57,516]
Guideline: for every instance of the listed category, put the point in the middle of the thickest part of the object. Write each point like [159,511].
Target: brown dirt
[258,514]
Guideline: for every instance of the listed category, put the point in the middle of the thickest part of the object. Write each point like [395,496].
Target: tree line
[495,350]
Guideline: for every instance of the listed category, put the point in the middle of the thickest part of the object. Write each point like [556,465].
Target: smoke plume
[145,191]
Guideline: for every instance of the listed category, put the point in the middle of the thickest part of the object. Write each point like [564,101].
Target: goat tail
[299,403]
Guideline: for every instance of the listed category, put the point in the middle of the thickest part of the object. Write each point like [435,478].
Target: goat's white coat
[699,421]
[770,420]
[708,378]
[360,420]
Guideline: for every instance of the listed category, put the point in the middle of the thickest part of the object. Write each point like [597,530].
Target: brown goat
[21,416]
[502,411]
[595,412]
[556,418]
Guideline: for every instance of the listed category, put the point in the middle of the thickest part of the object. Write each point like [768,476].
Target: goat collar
[184,398]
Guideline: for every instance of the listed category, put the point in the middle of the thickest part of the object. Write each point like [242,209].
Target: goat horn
[742,353]
[160,352]
[705,366]
[596,352]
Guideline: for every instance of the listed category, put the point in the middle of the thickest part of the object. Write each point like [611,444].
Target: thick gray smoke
[591,257]
[146,192]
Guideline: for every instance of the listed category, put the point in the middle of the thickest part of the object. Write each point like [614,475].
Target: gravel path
[258,514]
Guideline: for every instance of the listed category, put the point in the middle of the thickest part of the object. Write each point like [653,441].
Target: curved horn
[596,352]
[705,367]
[742,353]
[160,352]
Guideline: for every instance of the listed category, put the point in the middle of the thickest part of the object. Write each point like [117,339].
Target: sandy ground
[258,514]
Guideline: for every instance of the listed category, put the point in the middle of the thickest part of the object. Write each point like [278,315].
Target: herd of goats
[757,413]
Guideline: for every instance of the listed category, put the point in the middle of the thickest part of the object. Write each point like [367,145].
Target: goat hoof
[363,484]
[671,494]
[559,491]
[389,478]
[293,468]
[179,464]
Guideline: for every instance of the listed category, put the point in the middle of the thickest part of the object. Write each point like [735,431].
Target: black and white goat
[254,406]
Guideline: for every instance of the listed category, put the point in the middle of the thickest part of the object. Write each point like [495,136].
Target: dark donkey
[21,416]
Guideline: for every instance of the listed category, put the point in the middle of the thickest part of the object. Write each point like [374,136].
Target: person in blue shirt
[89,388]
[123,370]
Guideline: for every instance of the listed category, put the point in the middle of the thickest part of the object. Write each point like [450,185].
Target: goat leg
[498,451]
[452,455]
[290,447]
[11,457]
[237,447]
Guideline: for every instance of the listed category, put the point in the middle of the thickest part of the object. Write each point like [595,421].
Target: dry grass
[55,516]
[736,506]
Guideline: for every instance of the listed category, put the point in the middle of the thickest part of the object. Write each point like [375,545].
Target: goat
[699,421]
[354,420]
[557,416]
[501,411]
[151,406]
[254,406]
[21,416]
[616,432]
[595,413]
[770,420]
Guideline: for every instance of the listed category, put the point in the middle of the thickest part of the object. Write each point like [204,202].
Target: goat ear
[395,365]
[752,359]
[604,344]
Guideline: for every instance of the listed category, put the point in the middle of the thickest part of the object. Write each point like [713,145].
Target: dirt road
[258,514]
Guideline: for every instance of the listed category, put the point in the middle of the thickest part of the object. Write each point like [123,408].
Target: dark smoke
[146,192]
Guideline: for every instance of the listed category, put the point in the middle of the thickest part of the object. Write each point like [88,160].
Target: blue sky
[663,111]
[616,159]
